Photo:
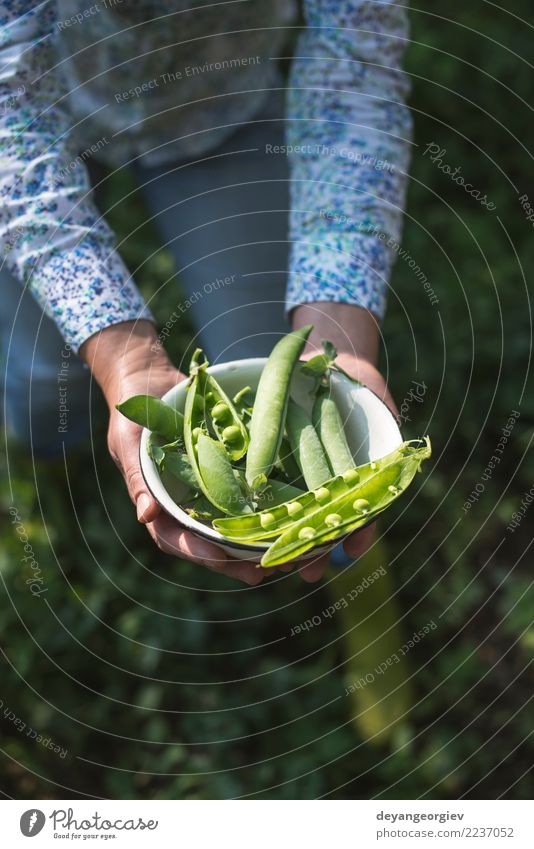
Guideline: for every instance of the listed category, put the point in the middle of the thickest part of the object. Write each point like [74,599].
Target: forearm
[126,355]
[52,236]
[352,330]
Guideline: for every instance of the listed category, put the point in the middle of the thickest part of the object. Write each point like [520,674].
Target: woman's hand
[127,359]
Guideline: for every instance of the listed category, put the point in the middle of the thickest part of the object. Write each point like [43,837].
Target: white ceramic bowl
[370,428]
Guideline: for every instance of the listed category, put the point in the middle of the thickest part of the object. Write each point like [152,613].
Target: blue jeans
[225,221]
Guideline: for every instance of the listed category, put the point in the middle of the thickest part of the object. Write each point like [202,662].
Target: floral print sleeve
[348,143]
[348,140]
[51,235]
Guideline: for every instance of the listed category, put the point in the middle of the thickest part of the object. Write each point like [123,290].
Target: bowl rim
[207,533]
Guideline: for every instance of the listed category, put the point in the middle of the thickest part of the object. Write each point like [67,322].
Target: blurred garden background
[158,679]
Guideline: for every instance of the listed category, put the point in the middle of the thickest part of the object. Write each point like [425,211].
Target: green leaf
[154,414]
[318,366]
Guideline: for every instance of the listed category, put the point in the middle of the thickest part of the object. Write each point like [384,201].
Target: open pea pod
[208,458]
[277,492]
[349,511]
[211,407]
[270,523]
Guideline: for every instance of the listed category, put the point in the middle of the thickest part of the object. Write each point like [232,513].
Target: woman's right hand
[127,359]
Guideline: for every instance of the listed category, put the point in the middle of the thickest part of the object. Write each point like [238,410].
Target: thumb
[146,506]
[124,448]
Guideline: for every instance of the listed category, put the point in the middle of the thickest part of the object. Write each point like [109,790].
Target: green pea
[231,434]
[322,495]
[267,520]
[220,412]
[333,520]
[306,533]
[270,408]
[361,505]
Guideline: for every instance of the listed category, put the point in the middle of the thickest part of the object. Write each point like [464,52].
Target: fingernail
[142,504]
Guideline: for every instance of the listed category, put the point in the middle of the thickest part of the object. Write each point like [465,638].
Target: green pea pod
[349,511]
[269,413]
[307,447]
[219,482]
[329,427]
[287,464]
[212,406]
[154,414]
[270,523]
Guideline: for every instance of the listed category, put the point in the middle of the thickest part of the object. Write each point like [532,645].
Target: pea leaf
[318,366]
[154,414]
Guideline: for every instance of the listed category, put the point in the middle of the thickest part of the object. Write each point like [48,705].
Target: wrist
[124,354]
[353,330]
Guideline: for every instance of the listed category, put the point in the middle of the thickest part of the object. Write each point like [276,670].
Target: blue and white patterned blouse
[74,79]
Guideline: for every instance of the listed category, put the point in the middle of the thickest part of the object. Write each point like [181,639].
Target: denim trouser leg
[46,385]
[225,220]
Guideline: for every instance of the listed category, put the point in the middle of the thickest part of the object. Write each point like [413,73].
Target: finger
[314,570]
[244,569]
[357,543]
[172,539]
[250,573]
[124,446]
